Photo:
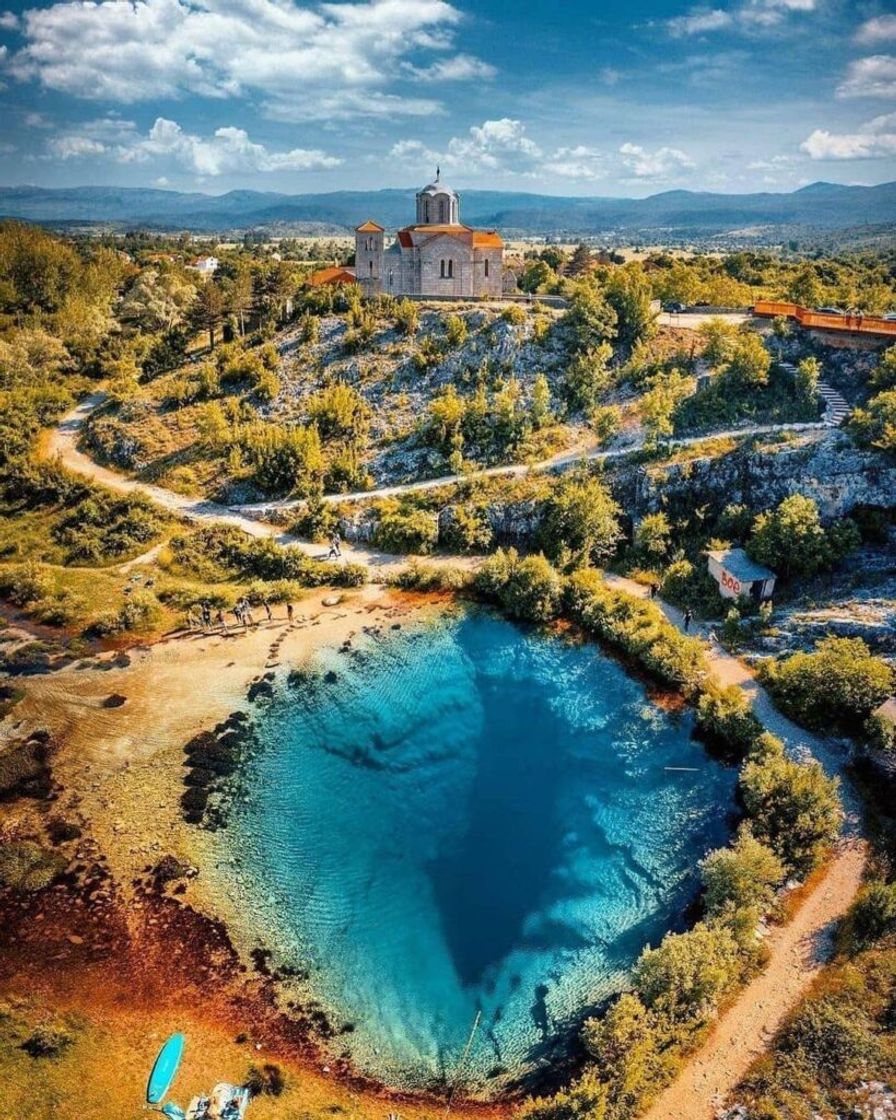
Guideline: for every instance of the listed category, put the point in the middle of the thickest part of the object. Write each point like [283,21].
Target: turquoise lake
[461,816]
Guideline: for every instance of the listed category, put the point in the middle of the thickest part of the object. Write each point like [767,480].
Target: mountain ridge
[821,206]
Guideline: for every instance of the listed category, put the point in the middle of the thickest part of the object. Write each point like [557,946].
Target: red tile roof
[331,276]
[369,227]
[487,238]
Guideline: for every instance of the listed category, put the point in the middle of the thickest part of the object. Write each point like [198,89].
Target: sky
[565,97]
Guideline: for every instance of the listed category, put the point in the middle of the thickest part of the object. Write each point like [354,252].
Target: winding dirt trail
[798,950]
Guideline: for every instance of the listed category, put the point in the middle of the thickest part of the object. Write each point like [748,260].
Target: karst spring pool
[464,815]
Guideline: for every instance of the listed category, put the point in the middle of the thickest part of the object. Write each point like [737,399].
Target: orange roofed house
[437,256]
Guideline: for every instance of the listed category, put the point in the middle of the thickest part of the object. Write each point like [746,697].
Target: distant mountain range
[821,207]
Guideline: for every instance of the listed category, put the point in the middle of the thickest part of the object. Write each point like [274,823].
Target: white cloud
[459,68]
[36,120]
[9,21]
[339,54]
[228,151]
[874,140]
[874,76]
[751,15]
[580,163]
[881,29]
[698,22]
[496,145]
[654,165]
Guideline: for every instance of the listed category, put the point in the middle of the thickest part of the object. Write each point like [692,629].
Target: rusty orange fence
[818,320]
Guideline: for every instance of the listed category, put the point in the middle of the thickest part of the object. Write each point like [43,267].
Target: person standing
[290,610]
[267,608]
[687,620]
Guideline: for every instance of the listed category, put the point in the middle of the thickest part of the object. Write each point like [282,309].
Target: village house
[737,575]
[205,266]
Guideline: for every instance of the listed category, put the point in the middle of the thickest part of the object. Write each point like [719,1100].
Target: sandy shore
[134,959]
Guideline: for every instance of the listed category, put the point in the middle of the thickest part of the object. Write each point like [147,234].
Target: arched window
[442,217]
[486,266]
[390,277]
[450,269]
[426,211]
[442,272]
[371,268]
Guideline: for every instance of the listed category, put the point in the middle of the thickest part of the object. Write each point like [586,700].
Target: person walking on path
[267,608]
[290,610]
[653,591]
[687,620]
[221,620]
[335,547]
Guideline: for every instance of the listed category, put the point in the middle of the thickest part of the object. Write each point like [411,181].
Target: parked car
[830,310]
[674,307]
[890,317]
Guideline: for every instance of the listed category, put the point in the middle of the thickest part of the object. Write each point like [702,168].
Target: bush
[742,876]
[686,977]
[637,627]
[581,521]
[825,1037]
[431,577]
[792,541]
[467,530]
[585,1099]
[405,529]
[624,1045]
[836,687]
[106,527]
[25,584]
[26,866]
[793,807]
[533,591]
[873,914]
[725,717]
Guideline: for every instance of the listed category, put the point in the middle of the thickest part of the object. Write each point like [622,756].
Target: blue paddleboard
[164,1069]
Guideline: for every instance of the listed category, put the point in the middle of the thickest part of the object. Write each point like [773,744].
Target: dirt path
[798,950]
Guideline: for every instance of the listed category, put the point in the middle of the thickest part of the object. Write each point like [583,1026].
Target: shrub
[742,876]
[25,584]
[837,686]
[793,807]
[581,521]
[529,589]
[405,529]
[432,577]
[141,611]
[455,331]
[514,314]
[105,527]
[873,914]
[339,412]
[407,317]
[467,530]
[824,1037]
[533,591]
[585,1099]
[688,974]
[792,541]
[724,716]
[624,1046]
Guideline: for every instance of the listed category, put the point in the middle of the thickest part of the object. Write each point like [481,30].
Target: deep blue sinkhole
[469,816]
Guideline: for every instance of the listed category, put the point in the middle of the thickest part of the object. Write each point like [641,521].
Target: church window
[390,277]
[371,268]
[426,211]
[450,269]
[442,272]
[486,266]
[442,211]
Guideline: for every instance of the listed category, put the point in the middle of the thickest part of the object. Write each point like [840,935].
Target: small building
[205,266]
[737,575]
[332,275]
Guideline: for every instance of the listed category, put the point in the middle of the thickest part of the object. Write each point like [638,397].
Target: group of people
[203,618]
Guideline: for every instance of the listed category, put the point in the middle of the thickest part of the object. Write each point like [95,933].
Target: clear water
[469,817]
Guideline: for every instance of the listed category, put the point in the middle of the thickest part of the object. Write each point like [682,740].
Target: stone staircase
[835,407]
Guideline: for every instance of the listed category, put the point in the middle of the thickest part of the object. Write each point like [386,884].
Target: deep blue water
[469,816]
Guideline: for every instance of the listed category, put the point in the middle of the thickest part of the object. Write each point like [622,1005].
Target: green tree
[652,535]
[805,288]
[625,1049]
[580,262]
[790,539]
[808,374]
[587,376]
[688,974]
[536,276]
[209,309]
[628,292]
[590,320]
[540,410]
[581,520]
[883,375]
[744,875]
[875,425]
[837,686]
[749,362]
[660,403]
[793,807]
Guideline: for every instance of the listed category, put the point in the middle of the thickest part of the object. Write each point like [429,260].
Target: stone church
[436,256]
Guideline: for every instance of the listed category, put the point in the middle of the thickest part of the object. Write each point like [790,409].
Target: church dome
[438,204]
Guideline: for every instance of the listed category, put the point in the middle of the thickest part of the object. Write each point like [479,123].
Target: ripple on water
[470,816]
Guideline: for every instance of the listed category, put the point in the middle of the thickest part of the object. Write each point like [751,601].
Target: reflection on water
[469,816]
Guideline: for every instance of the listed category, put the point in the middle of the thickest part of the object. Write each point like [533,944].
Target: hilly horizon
[821,206]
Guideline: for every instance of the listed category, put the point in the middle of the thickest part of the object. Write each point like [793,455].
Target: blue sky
[565,97]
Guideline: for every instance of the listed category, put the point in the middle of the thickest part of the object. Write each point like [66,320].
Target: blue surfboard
[164,1069]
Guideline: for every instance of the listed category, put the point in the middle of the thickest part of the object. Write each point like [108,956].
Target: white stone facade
[437,256]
